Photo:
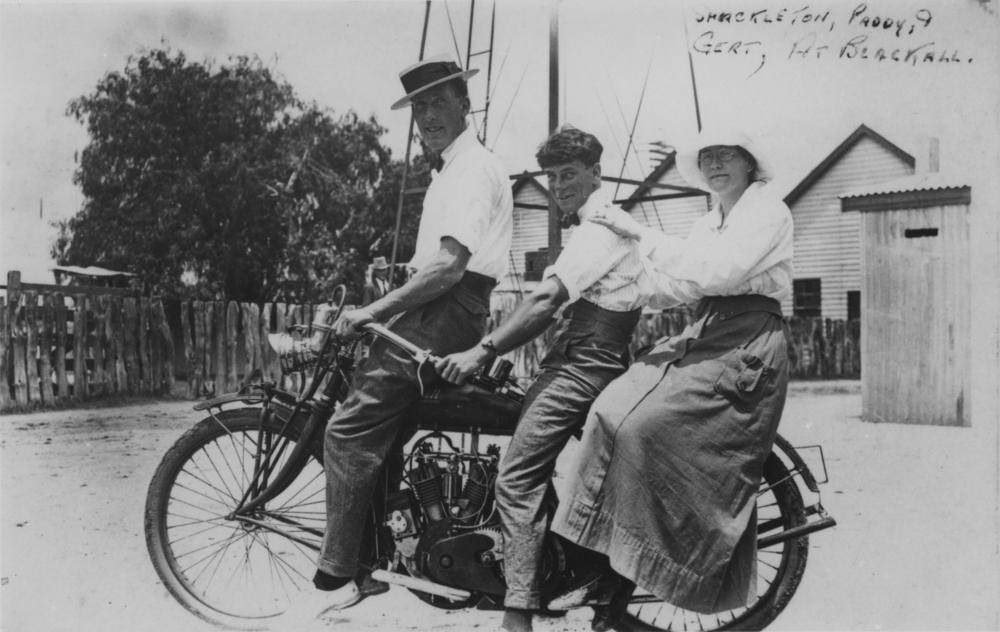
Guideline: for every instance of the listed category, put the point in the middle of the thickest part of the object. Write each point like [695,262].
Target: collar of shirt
[599,200]
[462,141]
[718,223]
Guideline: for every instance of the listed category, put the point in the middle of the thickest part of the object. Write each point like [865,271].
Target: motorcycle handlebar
[496,377]
[383,332]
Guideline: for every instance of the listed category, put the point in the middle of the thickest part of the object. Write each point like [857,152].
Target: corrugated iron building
[915,328]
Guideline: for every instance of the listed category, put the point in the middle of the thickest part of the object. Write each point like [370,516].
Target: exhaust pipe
[423,585]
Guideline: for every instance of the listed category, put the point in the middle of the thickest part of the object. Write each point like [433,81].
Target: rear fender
[799,464]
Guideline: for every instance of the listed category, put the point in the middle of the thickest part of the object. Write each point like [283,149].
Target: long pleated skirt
[672,453]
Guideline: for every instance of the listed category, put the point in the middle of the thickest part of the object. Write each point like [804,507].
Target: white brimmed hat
[428,73]
[687,154]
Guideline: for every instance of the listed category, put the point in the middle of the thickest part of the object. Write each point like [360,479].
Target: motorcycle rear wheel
[779,569]
[228,571]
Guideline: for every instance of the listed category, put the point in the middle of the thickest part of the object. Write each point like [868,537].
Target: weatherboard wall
[828,240]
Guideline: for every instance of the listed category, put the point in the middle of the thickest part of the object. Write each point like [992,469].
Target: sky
[793,74]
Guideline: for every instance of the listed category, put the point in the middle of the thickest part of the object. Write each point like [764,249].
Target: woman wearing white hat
[672,452]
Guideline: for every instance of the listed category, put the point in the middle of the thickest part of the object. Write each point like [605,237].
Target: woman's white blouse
[749,252]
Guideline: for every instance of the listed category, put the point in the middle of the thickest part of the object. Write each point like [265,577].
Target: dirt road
[915,548]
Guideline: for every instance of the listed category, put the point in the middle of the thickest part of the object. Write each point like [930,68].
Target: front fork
[268,480]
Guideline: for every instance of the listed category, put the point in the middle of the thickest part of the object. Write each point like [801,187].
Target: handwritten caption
[857,34]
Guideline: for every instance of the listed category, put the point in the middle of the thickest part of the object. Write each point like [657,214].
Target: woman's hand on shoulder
[622,224]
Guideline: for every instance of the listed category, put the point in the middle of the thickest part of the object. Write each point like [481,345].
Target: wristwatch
[487,343]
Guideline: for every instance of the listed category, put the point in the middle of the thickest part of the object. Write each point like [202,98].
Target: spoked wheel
[237,572]
[779,567]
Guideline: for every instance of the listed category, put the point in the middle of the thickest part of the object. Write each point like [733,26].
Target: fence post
[142,345]
[20,352]
[80,388]
[60,342]
[99,385]
[5,365]
[31,355]
[187,336]
[152,346]
[217,327]
[45,350]
[132,369]
[202,321]
[13,286]
[118,319]
[232,317]
[166,345]
[251,334]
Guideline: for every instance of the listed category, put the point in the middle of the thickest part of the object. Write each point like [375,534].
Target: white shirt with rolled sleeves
[750,252]
[470,201]
[598,265]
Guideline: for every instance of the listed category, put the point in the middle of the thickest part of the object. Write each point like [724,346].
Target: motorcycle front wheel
[779,569]
[238,573]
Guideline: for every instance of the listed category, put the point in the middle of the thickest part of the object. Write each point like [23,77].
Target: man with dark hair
[461,249]
[598,275]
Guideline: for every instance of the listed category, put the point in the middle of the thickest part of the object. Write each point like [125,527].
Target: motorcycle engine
[441,524]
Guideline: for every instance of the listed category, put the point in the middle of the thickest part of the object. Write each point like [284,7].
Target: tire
[779,569]
[226,571]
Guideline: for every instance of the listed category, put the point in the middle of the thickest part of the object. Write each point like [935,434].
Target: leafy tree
[220,183]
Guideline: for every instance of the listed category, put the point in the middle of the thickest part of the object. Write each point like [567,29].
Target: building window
[853,305]
[534,264]
[807,298]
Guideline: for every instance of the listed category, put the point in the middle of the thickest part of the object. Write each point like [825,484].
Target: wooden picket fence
[57,347]
[130,345]
[133,346]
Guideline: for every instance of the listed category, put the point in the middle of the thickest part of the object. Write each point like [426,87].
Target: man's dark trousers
[590,349]
[365,426]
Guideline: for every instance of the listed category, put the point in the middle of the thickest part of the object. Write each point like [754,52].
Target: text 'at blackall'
[926,53]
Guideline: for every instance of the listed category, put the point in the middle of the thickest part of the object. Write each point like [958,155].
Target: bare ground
[916,546]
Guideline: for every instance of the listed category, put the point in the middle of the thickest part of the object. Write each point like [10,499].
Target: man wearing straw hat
[462,245]
[377,283]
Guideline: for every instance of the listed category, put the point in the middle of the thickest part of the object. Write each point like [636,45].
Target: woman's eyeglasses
[723,155]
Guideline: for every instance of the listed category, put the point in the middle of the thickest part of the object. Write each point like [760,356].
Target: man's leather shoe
[588,590]
[368,586]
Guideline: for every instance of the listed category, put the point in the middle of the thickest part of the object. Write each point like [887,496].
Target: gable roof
[527,180]
[863,131]
[647,184]
[524,179]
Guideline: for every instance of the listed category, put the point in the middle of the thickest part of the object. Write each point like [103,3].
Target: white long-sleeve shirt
[598,265]
[747,252]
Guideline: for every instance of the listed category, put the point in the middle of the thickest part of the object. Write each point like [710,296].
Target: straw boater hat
[428,73]
[687,155]
[379,263]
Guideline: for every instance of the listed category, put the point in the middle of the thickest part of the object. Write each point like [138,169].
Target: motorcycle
[235,511]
